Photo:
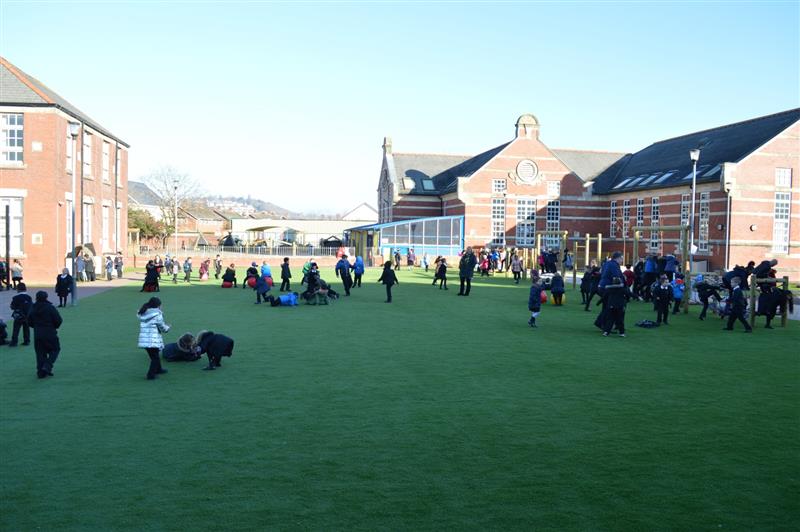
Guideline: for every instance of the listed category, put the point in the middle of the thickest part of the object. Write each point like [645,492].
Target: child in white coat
[151,325]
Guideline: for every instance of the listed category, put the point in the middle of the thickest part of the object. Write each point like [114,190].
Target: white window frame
[17,229]
[526,222]
[86,163]
[705,215]
[781,225]
[783,177]
[612,217]
[552,223]
[499,221]
[626,217]
[640,212]
[117,227]
[106,159]
[12,139]
[554,189]
[86,223]
[69,159]
[685,205]
[498,186]
[655,219]
[118,165]
[68,225]
[105,213]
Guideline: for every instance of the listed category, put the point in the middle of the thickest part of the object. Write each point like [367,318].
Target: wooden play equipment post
[684,231]
[753,296]
[562,244]
[587,246]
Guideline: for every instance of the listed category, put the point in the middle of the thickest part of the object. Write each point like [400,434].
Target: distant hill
[257,204]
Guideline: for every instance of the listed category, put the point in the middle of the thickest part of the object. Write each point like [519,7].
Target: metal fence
[210,251]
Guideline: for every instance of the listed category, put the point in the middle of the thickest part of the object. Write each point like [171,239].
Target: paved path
[84,290]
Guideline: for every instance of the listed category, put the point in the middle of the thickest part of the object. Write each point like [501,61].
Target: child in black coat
[534,300]
[286,275]
[662,297]
[389,279]
[215,346]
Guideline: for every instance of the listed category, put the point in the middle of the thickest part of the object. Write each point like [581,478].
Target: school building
[48,149]
[745,203]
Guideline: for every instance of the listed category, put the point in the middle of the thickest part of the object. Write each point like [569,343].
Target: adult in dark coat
[215,346]
[63,287]
[45,320]
[343,268]
[466,269]
[20,308]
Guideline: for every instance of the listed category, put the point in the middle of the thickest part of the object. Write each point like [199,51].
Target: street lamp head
[74,129]
[694,155]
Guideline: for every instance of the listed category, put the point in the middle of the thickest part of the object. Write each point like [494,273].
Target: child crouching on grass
[535,300]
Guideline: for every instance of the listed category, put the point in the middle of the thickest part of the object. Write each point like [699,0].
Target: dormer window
[427,184]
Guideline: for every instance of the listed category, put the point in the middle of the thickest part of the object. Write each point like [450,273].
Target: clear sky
[290,101]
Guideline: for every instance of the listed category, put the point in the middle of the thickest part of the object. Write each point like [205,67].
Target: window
[553,223]
[106,243]
[780,224]
[783,177]
[526,222]
[685,209]
[640,212]
[117,227]
[622,183]
[705,212]
[427,184]
[68,225]
[86,224]
[87,154]
[612,230]
[15,226]
[70,148]
[118,166]
[498,186]
[106,157]
[12,148]
[498,221]
[655,215]
[634,182]
[554,189]
[626,217]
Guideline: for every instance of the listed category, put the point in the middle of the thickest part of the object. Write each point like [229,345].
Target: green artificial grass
[435,412]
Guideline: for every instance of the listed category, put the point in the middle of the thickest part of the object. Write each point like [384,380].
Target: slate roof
[443,170]
[667,164]
[19,88]
[587,164]
[419,166]
[202,213]
[142,194]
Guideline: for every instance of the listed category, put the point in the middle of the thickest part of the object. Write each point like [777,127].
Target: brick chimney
[387,145]
[527,127]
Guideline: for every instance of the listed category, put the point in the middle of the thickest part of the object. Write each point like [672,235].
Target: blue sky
[289,102]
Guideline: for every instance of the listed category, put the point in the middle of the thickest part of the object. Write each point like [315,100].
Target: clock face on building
[527,171]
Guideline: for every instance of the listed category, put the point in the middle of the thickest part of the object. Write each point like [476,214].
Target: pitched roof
[667,164]
[419,166]
[19,88]
[202,213]
[142,194]
[587,164]
[447,181]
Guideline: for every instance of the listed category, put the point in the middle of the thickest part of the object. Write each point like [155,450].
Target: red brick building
[41,153]
[745,199]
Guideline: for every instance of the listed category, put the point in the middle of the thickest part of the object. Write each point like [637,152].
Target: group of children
[188,347]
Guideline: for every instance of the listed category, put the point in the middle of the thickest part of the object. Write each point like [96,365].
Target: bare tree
[171,186]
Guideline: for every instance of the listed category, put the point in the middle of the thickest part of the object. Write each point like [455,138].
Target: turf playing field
[434,412]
